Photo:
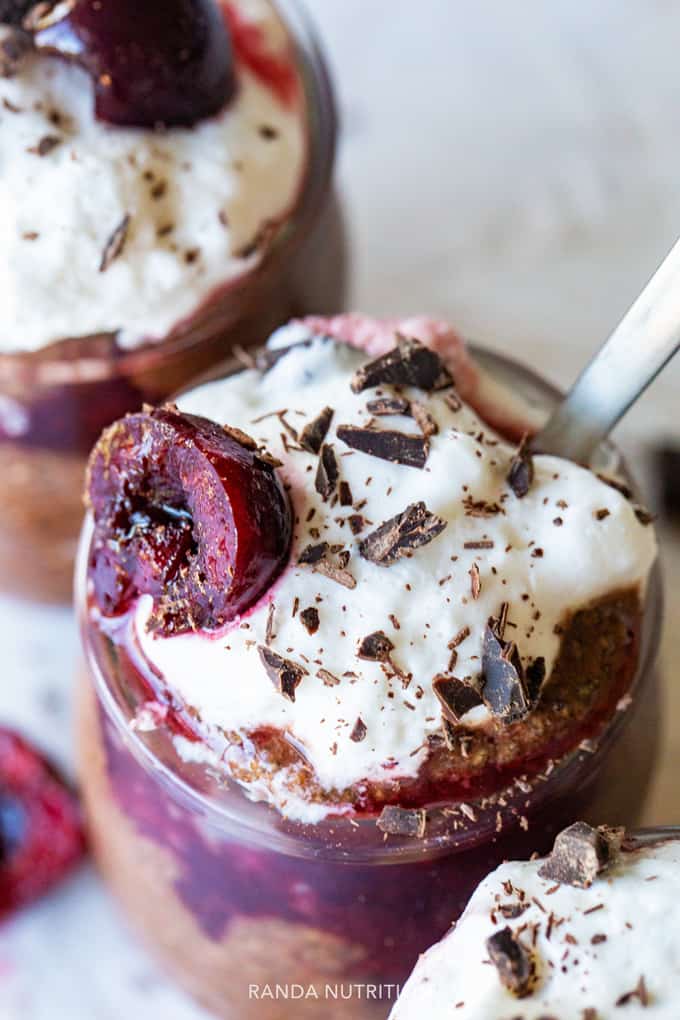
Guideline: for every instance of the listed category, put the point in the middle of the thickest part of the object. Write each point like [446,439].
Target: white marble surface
[513,168]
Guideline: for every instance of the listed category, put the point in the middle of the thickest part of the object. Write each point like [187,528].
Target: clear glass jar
[54,402]
[266,918]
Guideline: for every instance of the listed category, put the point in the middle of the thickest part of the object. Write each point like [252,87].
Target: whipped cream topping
[198,199]
[591,946]
[549,553]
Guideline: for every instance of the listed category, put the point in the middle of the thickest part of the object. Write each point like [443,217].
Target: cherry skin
[187,512]
[152,63]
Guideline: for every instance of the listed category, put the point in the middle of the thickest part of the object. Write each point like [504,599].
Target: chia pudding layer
[439,665]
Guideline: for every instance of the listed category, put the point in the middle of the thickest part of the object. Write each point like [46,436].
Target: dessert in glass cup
[165,195]
[581,933]
[349,645]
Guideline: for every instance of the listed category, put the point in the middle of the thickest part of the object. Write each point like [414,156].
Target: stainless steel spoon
[641,345]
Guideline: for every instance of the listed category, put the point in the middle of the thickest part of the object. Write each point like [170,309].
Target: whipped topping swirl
[572,539]
[198,200]
[609,951]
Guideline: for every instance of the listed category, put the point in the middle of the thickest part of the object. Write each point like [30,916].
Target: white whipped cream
[634,914]
[420,603]
[217,184]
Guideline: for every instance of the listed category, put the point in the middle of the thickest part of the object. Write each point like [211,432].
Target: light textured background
[513,168]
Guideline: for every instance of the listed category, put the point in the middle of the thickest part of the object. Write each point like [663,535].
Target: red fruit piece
[41,836]
[151,62]
[185,511]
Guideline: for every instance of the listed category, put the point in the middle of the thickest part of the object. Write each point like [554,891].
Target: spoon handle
[644,341]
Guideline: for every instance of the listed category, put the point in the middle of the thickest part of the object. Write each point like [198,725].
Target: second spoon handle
[644,341]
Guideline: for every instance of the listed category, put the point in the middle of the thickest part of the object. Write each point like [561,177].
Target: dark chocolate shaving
[320,558]
[401,535]
[240,437]
[639,992]
[387,444]
[535,675]
[327,473]
[310,619]
[455,696]
[313,434]
[475,582]
[410,363]
[521,473]
[285,674]
[375,647]
[579,854]
[424,419]
[397,821]
[115,244]
[512,961]
[358,731]
[388,405]
[357,523]
[329,679]
[503,685]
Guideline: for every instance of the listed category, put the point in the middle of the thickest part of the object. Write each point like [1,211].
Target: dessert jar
[266,917]
[57,396]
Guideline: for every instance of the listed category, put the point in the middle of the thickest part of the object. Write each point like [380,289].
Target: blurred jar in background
[133,258]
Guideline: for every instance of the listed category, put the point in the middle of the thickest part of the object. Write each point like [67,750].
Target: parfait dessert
[164,192]
[349,645]
[586,932]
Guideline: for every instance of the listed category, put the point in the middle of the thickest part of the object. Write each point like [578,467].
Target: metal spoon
[641,345]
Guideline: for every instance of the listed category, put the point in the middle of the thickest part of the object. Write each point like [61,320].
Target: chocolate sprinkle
[511,960]
[521,473]
[503,687]
[398,821]
[375,647]
[410,363]
[327,473]
[456,696]
[14,45]
[424,419]
[319,558]
[401,535]
[285,674]
[387,444]
[115,244]
[359,731]
[315,431]
[580,853]
[310,619]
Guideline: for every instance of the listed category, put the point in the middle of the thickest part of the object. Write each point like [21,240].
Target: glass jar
[54,402]
[266,918]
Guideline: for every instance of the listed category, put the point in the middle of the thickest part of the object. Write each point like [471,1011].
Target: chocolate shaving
[269,630]
[410,363]
[388,405]
[285,674]
[320,559]
[310,619]
[521,473]
[580,853]
[398,821]
[315,431]
[614,483]
[475,582]
[14,46]
[45,146]
[329,679]
[535,675]
[387,444]
[503,686]
[115,244]
[644,516]
[424,419]
[401,535]
[240,437]
[359,731]
[327,473]
[455,696]
[511,960]
[375,647]
[639,992]
[345,494]
[357,523]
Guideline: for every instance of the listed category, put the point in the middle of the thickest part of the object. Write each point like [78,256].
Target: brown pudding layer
[594,671]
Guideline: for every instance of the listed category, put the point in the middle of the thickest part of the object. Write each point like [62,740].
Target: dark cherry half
[188,512]
[41,836]
[152,62]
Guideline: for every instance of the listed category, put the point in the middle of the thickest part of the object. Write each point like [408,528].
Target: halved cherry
[188,512]
[151,62]
[41,835]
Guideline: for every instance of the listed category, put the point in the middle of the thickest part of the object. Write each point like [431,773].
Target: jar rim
[346,837]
